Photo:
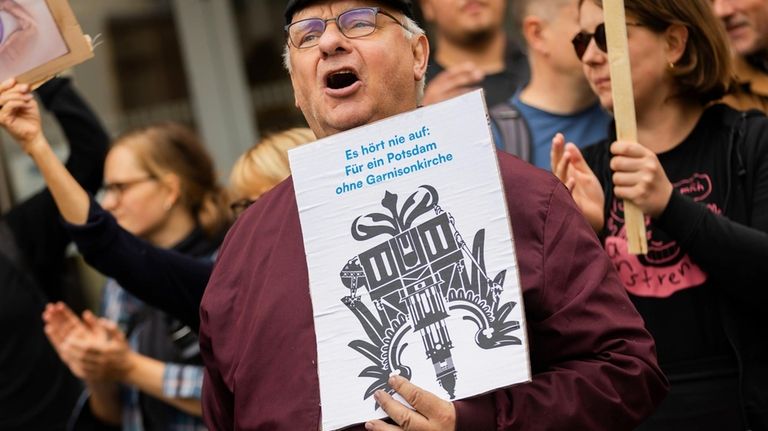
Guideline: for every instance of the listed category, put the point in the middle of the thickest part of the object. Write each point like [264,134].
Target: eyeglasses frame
[120,187]
[376,10]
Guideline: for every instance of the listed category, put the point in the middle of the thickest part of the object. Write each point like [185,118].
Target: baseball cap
[293,6]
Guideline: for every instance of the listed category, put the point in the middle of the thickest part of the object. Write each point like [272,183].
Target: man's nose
[722,8]
[332,40]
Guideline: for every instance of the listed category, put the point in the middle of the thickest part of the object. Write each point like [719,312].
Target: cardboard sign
[38,39]
[412,266]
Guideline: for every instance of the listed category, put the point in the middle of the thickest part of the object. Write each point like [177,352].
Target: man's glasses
[352,23]
[117,189]
[581,40]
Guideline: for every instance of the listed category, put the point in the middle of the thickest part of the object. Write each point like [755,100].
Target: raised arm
[165,279]
[34,222]
[162,278]
[20,116]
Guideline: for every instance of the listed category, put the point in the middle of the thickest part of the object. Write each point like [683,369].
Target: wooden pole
[623,108]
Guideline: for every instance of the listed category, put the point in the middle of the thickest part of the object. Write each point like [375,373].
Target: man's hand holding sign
[431,412]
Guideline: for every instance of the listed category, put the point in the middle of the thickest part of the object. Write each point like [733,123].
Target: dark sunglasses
[581,40]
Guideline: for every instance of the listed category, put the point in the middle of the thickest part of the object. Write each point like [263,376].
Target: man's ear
[532,29]
[420,48]
[676,36]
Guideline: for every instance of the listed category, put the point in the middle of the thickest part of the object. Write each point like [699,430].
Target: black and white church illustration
[417,272]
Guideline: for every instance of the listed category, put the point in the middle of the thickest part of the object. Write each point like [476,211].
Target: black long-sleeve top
[37,391]
[702,287]
[34,223]
[167,280]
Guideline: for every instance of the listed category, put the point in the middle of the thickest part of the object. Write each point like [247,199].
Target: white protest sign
[412,267]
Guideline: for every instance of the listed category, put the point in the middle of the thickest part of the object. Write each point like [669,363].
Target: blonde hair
[266,164]
[169,147]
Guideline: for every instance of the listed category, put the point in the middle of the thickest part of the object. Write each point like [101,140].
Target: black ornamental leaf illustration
[420,202]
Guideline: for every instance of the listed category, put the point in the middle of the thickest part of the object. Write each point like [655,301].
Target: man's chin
[335,125]
[479,35]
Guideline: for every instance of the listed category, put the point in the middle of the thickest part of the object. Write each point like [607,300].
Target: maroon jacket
[594,365]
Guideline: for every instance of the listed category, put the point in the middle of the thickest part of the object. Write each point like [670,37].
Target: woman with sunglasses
[699,172]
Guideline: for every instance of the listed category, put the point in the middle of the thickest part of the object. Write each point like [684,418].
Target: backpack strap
[742,161]
[514,130]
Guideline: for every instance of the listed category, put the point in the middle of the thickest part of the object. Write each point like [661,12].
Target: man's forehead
[321,8]
[300,9]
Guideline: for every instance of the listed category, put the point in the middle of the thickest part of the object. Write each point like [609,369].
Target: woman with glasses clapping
[699,172]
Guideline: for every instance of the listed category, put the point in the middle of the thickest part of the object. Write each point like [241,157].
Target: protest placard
[38,39]
[412,265]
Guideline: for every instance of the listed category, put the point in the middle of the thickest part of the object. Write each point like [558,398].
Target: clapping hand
[94,349]
[569,166]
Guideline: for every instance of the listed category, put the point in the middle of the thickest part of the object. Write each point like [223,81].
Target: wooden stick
[623,108]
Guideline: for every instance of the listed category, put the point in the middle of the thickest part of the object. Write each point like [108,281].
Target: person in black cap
[353,62]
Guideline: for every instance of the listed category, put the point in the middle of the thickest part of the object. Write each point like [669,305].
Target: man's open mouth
[341,79]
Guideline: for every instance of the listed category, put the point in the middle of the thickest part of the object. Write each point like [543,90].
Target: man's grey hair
[410,29]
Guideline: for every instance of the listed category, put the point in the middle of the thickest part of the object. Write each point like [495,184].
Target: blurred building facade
[213,64]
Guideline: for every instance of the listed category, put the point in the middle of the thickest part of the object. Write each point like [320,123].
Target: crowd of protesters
[190,331]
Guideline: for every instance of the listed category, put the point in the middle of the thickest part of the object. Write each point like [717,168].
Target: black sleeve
[165,279]
[733,252]
[35,222]
[598,157]
[88,139]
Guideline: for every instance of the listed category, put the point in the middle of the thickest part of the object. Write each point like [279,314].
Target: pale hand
[569,166]
[61,324]
[432,413]
[19,114]
[452,82]
[94,349]
[639,177]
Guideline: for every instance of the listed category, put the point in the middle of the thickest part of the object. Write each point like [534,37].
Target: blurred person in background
[160,186]
[472,51]
[558,97]
[746,22]
[37,391]
[699,172]
[264,166]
